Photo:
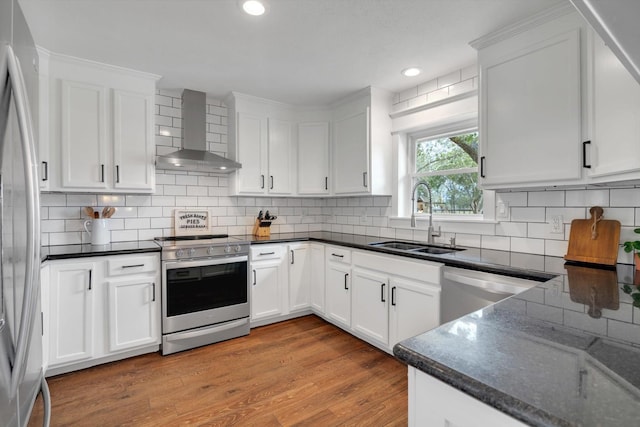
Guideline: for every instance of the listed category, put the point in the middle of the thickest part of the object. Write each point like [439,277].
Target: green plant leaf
[636,296]
[626,289]
[636,304]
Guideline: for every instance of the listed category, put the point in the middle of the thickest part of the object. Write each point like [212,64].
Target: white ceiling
[302,52]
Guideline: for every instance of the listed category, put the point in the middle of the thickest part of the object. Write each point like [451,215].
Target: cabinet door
[530,112]
[252,143]
[370,315]
[266,293]
[71,309]
[299,276]
[415,308]
[338,302]
[436,404]
[84,136]
[134,313]
[313,158]
[317,278]
[281,157]
[351,154]
[133,150]
[615,115]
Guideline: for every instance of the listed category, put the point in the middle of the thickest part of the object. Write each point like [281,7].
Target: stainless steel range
[205,290]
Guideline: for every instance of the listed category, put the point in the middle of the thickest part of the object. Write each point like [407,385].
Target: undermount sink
[415,247]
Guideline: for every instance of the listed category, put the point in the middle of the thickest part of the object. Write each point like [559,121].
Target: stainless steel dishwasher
[465,291]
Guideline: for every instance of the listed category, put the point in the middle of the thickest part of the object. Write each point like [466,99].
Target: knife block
[264,231]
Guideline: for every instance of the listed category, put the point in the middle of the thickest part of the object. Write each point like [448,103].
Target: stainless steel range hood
[194,155]
[616,21]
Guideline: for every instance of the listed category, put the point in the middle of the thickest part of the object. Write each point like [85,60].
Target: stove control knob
[179,253]
[227,249]
[192,252]
[211,250]
[238,248]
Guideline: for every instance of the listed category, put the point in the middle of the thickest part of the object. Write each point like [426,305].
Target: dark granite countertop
[526,266]
[560,354]
[49,253]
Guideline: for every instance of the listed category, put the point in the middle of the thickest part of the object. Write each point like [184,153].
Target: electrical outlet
[557,226]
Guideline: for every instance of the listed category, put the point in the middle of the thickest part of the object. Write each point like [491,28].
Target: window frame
[430,134]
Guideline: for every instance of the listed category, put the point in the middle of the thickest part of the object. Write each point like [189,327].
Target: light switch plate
[502,210]
[557,226]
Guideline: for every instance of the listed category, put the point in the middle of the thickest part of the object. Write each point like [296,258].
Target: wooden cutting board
[595,240]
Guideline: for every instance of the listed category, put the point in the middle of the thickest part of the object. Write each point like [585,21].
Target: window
[449,166]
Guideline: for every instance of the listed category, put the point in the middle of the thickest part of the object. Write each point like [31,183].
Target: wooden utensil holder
[261,231]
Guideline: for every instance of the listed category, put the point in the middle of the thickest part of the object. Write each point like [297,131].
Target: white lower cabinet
[132,318]
[299,276]
[414,308]
[338,286]
[72,295]
[92,318]
[436,404]
[269,281]
[394,298]
[317,274]
[382,299]
[370,305]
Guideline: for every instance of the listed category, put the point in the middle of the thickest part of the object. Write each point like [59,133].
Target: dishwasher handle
[499,285]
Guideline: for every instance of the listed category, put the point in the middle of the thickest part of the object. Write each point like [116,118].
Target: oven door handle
[207,331]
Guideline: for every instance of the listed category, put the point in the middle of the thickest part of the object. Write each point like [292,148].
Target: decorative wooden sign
[197,221]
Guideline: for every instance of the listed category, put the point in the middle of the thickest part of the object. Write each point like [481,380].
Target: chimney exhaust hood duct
[194,155]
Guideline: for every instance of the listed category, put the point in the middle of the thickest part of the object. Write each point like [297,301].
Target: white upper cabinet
[313,158]
[100,127]
[262,139]
[530,102]
[614,117]
[361,144]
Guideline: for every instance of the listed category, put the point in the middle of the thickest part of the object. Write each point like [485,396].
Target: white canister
[99,231]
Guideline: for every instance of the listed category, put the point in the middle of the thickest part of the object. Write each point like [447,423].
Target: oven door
[204,292]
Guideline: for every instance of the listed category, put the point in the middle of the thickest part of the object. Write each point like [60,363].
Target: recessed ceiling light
[411,71]
[253,7]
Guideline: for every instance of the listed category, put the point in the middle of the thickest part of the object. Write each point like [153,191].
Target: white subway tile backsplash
[496,242]
[528,214]
[546,198]
[587,198]
[625,197]
[529,246]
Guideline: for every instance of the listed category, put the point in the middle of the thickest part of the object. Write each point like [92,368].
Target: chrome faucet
[430,231]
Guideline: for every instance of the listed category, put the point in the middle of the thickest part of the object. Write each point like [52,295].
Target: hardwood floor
[303,372]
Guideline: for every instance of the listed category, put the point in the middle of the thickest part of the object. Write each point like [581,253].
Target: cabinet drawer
[131,265]
[337,254]
[261,252]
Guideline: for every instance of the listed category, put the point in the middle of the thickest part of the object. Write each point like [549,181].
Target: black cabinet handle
[271,187]
[382,292]
[482,167]
[90,279]
[254,277]
[153,298]
[326,182]
[293,259]
[117,174]
[102,173]
[364,179]
[584,154]
[393,296]
[345,281]
[336,255]
[267,253]
[46,171]
[132,266]
[262,178]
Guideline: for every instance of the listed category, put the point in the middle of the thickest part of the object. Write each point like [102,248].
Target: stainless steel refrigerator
[21,373]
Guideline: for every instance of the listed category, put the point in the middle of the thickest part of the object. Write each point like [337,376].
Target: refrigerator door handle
[29,302]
